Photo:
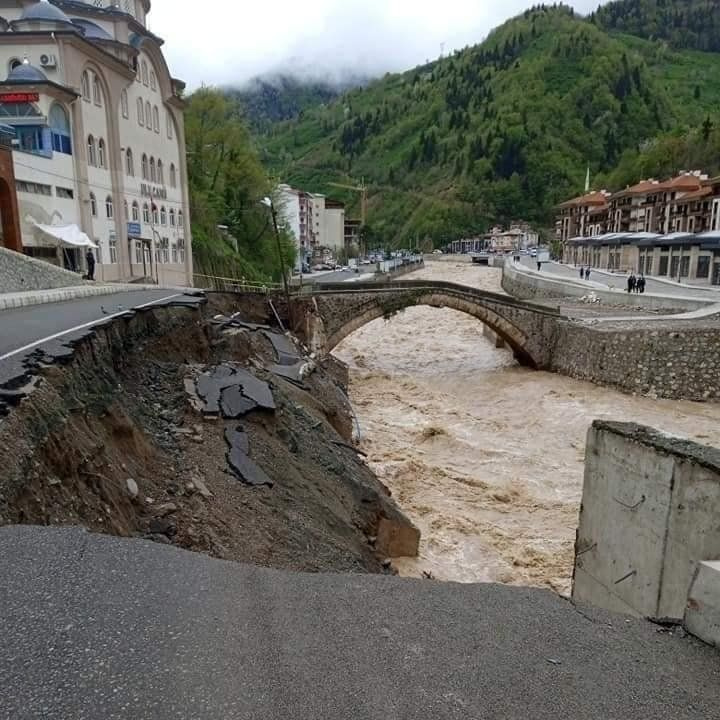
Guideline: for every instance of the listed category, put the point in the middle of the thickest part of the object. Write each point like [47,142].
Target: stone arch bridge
[527,328]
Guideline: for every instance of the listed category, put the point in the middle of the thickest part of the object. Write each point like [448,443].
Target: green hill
[692,24]
[499,131]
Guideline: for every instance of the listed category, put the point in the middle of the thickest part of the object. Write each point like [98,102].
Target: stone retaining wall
[654,361]
[19,272]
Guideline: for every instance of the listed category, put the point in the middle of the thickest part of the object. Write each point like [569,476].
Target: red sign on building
[19,97]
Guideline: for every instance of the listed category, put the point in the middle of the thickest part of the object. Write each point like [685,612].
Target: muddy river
[486,457]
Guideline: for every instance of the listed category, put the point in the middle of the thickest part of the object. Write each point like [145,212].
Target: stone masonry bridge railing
[528,329]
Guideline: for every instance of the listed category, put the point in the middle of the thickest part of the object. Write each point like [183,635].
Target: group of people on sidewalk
[636,284]
[584,273]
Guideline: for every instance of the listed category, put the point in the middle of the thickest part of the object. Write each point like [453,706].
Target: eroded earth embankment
[212,432]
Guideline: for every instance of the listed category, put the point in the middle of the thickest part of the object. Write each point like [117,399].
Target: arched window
[15,62]
[86,86]
[92,153]
[97,92]
[173,175]
[129,163]
[169,125]
[141,112]
[60,129]
[156,119]
[126,209]
[181,221]
[135,211]
[155,217]
[144,73]
[136,65]
[172,217]
[146,213]
[93,205]
[109,212]
[153,80]
[160,172]
[163,215]
[144,167]
[152,169]
[148,116]
[124,104]
[101,153]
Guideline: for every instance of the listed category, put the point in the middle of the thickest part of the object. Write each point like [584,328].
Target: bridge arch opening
[510,334]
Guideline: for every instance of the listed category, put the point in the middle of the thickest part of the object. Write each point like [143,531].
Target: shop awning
[66,235]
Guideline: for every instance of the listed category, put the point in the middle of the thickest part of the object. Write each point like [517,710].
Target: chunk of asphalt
[289,372]
[233,404]
[257,390]
[237,438]
[210,385]
[285,351]
[247,470]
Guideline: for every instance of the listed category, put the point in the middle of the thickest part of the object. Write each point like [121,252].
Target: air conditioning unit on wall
[48,61]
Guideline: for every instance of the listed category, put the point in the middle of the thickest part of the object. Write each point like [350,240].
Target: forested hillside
[271,98]
[499,131]
[227,183]
[692,24]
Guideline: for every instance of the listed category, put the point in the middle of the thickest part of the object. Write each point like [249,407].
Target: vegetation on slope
[499,131]
[227,183]
[691,24]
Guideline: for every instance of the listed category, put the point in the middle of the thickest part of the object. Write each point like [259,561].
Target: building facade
[100,142]
[317,223]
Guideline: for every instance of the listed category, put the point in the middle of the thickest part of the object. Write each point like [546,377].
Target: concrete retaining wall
[702,616]
[19,272]
[648,517]
[525,284]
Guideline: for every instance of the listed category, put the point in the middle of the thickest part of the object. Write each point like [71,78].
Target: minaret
[587,179]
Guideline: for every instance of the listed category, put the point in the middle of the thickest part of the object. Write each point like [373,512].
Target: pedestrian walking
[582,272]
[539,266]
[587,273]
[631,282]
[641,284]
[90,258]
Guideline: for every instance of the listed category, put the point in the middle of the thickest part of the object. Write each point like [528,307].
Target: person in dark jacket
[631,282]
[90,258]
[587,273]
[582,272]
[641,284]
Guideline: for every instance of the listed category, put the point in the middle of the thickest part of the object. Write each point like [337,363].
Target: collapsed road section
[195,423]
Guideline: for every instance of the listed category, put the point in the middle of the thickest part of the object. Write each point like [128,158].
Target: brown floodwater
[486,457]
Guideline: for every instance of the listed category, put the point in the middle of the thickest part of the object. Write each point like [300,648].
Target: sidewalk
[40,297]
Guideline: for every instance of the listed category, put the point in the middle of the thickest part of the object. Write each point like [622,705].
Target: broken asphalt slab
[248,392]
[103,627]
[243,467]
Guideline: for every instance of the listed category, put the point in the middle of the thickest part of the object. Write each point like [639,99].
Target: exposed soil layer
[111,441]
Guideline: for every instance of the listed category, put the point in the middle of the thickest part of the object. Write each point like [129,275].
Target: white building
[100,136]
[316,222]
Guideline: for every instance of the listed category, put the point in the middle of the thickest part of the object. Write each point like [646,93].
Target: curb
[41,297]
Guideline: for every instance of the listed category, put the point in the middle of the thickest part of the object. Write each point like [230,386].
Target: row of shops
[676,256]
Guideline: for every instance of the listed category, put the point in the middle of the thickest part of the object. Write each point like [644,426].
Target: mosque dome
[26,73]
[43,11]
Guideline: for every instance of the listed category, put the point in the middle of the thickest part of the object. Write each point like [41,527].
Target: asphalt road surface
[98,627]
[20,327]
[336,277]
[619,280]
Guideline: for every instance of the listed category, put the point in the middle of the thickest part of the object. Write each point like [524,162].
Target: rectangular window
[174,253]
[663,266]
[703,268]
[33,188]
[166,249]
[138,252]
[113,248]
[61,143]
[66,193]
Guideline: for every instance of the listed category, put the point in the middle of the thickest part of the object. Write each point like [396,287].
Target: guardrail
[426,285]
[224,284]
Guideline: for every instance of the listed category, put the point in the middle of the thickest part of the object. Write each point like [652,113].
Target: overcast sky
[226,42]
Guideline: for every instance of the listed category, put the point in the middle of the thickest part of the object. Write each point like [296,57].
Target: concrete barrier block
[702,616]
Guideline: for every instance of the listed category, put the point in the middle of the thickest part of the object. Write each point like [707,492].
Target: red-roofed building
[584,215]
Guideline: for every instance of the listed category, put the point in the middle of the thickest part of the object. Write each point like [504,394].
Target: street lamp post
[269,203]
